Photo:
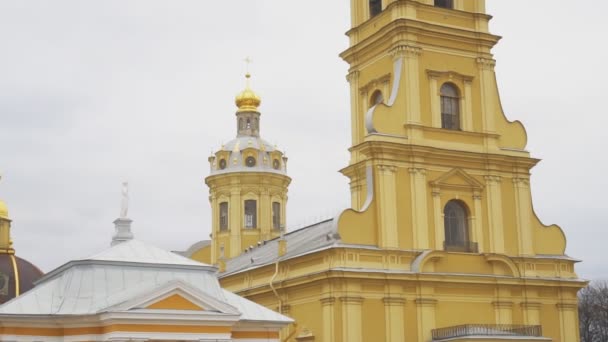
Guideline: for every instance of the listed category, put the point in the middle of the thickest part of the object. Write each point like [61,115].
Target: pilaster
[531,312]
[478,222]
[410,55]
[352,324]
[419,208]
[523,213]
[235,222]
[439,219]
[467,106]
[495,220]
[425,308]
[387,205]
[568,319]
[503,311]
[394,320]
[488,96]
[357,118]
[328,305]
[435,100]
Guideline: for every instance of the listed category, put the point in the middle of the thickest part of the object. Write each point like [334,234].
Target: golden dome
[247,100]
[3,210]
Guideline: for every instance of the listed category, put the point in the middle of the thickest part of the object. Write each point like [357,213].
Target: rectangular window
[276,215]
[444,3]
[251,214]
[375,7]
[223,216]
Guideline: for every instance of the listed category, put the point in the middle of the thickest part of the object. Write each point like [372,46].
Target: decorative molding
[531,305]
[502,304]
[373,84]
[486,63]
[441,182]
[491,179]
[328,301]
[351,300]
[567,306]
[390,169]
[417,171]
[353,76]
[450,75]
[394,301]
[523,182]
[426,302]
[477,196]
[403,50]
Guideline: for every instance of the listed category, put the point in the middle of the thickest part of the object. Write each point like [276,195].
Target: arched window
[375,7]
[276,215]
[251,211]
[456,226]
[450,107]
[376,98]
[444,3]
[223,216]
[248,123]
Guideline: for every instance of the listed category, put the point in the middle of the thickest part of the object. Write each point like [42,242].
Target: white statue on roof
[124,205]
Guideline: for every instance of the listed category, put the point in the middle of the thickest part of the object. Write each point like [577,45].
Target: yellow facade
[442,231]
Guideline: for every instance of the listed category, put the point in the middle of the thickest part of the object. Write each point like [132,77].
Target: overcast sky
[96,92]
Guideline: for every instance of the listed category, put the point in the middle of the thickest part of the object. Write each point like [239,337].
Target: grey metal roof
[235,162]
[299,242]
[123,273]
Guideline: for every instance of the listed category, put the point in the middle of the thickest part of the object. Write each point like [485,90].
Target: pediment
[176,296]
[457,178]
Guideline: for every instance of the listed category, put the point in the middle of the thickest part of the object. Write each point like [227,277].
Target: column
[419,208]
[478,222]
[439,220]
[328,307]
[523,213]
[425,308]
[568,321]
[351,319]
[495,221]
[394,320]
[387,206]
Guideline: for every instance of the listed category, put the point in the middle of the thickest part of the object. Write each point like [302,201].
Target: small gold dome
[3,210]
[247,100]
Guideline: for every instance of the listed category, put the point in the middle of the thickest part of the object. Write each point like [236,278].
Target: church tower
[247,185]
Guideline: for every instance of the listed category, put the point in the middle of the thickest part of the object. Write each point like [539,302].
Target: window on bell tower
[450,107]
[456,225]
[375,7]
[276,215]
[223,216]
[444,3]
[251,214]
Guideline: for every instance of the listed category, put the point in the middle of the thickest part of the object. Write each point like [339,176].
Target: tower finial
[122,225]
[6,243]
[247,100]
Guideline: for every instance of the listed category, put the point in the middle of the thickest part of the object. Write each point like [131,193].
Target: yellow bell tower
[247,185]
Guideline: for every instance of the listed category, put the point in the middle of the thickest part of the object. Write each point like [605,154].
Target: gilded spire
[6,243]
[3,208]
[247,100]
